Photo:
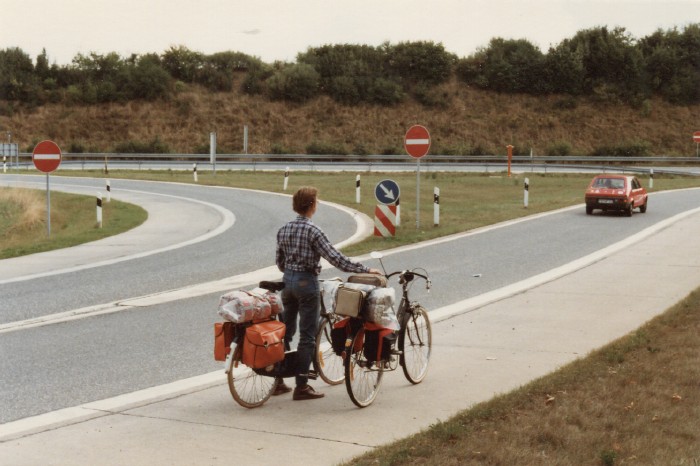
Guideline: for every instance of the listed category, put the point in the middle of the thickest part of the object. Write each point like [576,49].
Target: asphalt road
[55,366]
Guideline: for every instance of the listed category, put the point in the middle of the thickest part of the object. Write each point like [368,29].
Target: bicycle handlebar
[406,276]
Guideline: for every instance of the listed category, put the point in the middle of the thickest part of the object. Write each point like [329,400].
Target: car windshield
[610,183]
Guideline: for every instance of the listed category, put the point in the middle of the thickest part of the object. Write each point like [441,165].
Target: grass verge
[23,226]
[635,401]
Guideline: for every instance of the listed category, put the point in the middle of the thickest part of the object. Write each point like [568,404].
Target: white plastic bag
[379,308]
[243,306]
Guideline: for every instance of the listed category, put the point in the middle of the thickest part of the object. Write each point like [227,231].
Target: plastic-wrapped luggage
[379,308]
[244,306]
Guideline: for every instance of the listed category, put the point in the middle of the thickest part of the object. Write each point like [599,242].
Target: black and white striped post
[194,172]
[109,192]
[527,192]
[286,178]
[398,211]
[106,169]
[99,210]
[436,206]
[357,189]
[651,178]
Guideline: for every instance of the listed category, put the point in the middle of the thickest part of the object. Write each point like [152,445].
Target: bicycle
[253,387]
[363,375]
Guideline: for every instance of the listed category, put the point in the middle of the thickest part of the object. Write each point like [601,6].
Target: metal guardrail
[365,162]
[250,158]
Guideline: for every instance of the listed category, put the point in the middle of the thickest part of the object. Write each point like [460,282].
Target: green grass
[23,226]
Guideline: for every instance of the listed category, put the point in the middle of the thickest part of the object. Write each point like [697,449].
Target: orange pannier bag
[263,344]
[223,336]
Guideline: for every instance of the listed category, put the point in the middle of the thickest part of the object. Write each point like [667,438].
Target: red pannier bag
[263,344]
[379,341]
[340,332]
[223,336]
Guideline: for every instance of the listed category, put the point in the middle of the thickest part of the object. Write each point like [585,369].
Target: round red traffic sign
[417,141]
[696,136]
[46,156]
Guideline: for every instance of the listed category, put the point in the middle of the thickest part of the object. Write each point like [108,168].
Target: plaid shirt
[300,245]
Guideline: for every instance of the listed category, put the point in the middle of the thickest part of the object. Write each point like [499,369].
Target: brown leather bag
[223,336]
[349,301]
[263,344]
[368,279]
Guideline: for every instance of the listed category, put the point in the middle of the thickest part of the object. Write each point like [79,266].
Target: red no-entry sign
[417,141]
[46,156]
[696,136]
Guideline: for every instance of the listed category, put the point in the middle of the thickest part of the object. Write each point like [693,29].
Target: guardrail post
[99,210]
[651,178]
[398,211]
[527,192]
[436,206]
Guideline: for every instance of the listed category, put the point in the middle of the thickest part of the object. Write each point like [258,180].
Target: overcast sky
[279,29]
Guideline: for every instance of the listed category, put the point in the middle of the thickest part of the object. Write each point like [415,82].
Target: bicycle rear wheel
[328,364]
[248,388]
[415,343]
[362,377]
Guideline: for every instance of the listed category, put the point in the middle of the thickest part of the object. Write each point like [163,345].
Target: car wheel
[630,209]
[589,210]
[643,207]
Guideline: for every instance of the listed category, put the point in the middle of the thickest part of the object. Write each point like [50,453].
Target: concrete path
[480,350]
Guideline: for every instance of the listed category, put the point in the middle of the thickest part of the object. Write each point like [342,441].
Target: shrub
[297,83]
[279,149]
[625,149]
[431,97]
[558,149]
[326,148]
[386,92]
[156,146]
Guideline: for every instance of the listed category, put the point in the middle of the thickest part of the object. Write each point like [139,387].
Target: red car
[616,192]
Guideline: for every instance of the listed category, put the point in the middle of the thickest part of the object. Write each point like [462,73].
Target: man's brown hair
[304,199]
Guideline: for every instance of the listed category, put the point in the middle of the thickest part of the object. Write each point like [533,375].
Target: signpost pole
[48,206]
[417,144]
[417,194]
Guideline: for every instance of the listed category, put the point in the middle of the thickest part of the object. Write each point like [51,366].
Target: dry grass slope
[462,117]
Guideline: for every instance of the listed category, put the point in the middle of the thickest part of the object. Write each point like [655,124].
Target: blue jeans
[300,297]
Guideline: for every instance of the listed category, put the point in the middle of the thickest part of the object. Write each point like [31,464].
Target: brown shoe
[306,393]
[281,389]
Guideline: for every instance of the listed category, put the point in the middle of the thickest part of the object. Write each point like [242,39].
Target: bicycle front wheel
[248,388]
[415,343]
[327,364]
[362,377]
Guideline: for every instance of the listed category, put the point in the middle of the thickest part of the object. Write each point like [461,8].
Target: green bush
[326,148]
[625,149]
[297,83]
[386,92]
[558,149]
[279,149]
[156,146]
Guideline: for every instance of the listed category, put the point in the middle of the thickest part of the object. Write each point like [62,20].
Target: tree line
[607,64]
